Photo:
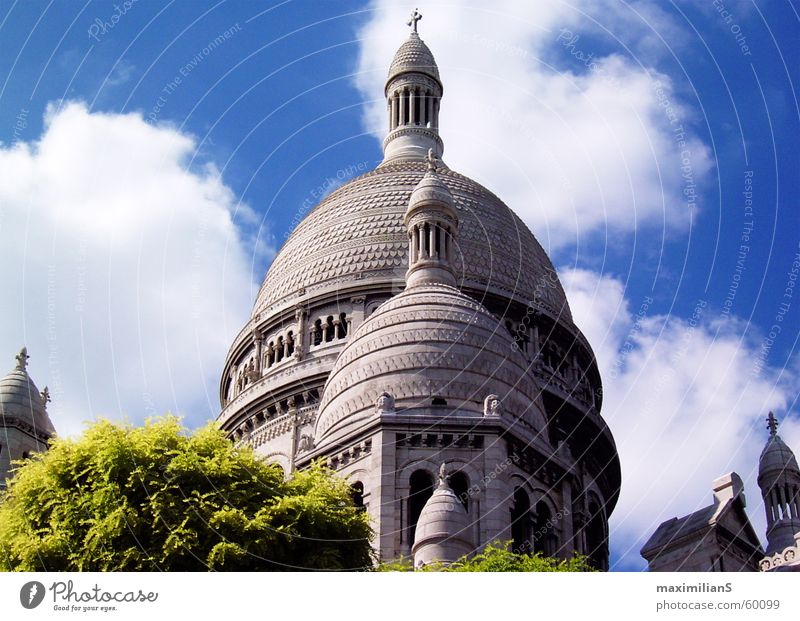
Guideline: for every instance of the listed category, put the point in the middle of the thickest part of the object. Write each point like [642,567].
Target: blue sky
[241,135]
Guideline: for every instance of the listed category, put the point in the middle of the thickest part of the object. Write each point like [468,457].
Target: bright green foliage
[498,557]
[125,498]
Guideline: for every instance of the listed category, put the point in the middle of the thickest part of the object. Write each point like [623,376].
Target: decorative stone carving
[491,406]
[306,443]
[385,403]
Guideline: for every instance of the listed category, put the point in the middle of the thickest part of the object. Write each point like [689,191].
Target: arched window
[279,350]
[596,542]
[316,337]
[290,343]
[357,493]
[330,329]
[270,354]
[521,522]
[341,329]
[544,536]
[421,484]
[459,483]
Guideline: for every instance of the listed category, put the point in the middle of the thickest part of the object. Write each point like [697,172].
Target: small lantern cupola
[413,92]
[432,223]
[443,529]
[779,480]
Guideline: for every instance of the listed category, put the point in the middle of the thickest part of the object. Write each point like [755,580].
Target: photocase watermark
[53,357]
[569,41]
[629,344]
[20,125]
[66,598]
[736,30]
[678,352]
[487,478]
[541,532]
[681,142]
[31,594]
[783,309]
[183,72]
[481,40]
[548,282]
[101,27]
[328,185]
[744,245]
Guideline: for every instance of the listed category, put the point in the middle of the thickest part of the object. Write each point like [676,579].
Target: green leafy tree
[123,498]
[498,557]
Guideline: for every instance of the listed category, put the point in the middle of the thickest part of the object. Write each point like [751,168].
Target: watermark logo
[31,594]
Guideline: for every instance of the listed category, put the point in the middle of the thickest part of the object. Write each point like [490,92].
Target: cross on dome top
[22,359]
[772,424]
[415,17]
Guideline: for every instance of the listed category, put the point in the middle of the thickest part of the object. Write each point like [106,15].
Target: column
[567,534]
[258,339]
[432,240]
[421,231]
[393,120]
[401,118]
[429,112]
[412,117]
[301,336]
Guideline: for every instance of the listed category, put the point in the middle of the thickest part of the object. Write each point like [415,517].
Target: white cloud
[683,403]
[578,144]
[124,272]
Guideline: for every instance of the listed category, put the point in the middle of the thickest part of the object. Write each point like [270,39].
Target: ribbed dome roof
[21,399]
[430,341]
[357,234]
[415,56]
[430,190]
[776,457]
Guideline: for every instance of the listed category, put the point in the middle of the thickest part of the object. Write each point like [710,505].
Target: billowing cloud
[123,270]
[683,401]
[576,138]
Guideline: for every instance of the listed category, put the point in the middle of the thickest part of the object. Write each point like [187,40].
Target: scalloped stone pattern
[414,55]
[429,341]
[357,232]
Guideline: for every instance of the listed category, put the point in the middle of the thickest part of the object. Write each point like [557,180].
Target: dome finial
[433,161]
[772,424]
[443,476]
[415,17]
[22,359]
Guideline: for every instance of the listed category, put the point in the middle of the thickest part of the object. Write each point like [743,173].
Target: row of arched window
[429,241]
[413,106]
[330,329]
[784,503]
[277,350]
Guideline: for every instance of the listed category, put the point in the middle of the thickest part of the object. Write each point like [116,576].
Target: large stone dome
[357,233]
[430,344]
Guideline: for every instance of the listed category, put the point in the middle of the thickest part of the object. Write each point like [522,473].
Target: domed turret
[21,400]
[443,530]
[413,91]
[432,222]
[26,427]
[779,480]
